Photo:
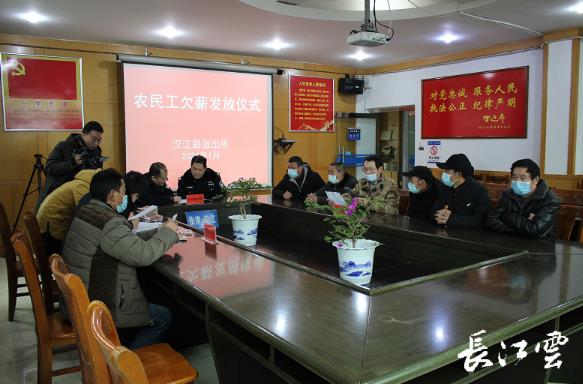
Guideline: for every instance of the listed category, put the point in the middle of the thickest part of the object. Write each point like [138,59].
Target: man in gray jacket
[101,248]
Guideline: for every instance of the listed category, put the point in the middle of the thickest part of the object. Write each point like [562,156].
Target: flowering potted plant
[355,253]
[245,225]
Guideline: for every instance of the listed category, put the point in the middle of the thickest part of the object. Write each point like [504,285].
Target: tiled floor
[18,346]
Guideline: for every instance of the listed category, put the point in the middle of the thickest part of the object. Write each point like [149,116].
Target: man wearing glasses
[377,193]
[77,152]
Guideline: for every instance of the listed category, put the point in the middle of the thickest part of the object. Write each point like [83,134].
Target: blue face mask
[521,188]
[412,188]
[124,204]
[446,179]
[372,178]
[333,179]
[293,173]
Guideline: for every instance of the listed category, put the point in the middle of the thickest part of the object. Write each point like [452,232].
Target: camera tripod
[38,169]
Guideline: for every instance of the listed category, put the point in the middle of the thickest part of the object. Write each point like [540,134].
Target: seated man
[377,193]
[529,207]
[157,192]
[339,180]
[135,183]
[422,191]
[102,249]
[461,200]
[200,179]
[77,152]
[299,181]
[56,211]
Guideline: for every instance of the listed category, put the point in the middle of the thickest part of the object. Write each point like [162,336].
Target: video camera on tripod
[39,169]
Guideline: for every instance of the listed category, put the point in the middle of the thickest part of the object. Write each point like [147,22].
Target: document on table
[145,212]
[143,226]
[336,198]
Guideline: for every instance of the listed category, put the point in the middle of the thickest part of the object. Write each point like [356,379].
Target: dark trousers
[134,338]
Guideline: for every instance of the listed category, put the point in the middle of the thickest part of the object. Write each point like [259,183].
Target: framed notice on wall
[41,93]
[311,104]
[490,104]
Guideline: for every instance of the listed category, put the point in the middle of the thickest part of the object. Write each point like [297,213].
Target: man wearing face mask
[422,191]
[104,251]
[78,152]
[339,180]
[299,181]
[200,180]
[461,200]
[529,207]
[374,191]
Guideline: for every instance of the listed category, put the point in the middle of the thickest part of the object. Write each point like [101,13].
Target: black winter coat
[61,167]
[308,182]
[469,204]
[210,184]
[155,195]
[420,204]
[512,212]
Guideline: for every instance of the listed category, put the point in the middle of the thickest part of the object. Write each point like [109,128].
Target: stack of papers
[336,198]
[143,226]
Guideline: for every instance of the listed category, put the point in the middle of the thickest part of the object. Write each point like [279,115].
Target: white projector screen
[173,114]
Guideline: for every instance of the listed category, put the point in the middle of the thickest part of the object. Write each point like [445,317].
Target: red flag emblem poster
[311,104]
[41,93]
[490,104]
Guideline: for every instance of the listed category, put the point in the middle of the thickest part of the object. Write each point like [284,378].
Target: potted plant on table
[355,253]
[245,225]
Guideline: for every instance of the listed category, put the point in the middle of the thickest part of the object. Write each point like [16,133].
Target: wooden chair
[13,266]
[568,218]
[480,176]
[152,364]
[53,332]
[93,367]
[403,201]
[49,288]
[569,196]
[498,179]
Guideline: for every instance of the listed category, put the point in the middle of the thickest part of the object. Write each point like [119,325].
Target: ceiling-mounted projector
[367,39]
[369,36]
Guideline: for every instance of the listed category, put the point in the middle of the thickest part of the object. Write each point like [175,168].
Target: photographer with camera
[77,152]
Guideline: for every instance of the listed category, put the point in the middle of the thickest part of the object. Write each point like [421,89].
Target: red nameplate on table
[210,233]
[197,198]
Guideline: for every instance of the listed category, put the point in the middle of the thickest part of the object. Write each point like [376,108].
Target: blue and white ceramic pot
[245,228]
[356,262]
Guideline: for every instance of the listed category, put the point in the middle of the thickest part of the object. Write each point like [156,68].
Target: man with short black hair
[157,192]
[377,193]
[200,180]
[461,200]
[104,251]
[298,182]
[529,207]
[339,180]
[422,188]
[77,152]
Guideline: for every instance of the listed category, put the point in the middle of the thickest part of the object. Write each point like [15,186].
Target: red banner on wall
[489,104]
[41,93]
[311,104]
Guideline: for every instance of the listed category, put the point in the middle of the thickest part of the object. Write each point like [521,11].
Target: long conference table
[278,312]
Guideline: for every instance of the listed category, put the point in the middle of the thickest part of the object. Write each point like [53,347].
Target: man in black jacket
[339,180]
[299,181]
[157,192]
[461,200]
[422,192]
[77,152]
[200,179]
[529,207]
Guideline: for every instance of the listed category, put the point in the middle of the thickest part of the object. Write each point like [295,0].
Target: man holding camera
[77,152]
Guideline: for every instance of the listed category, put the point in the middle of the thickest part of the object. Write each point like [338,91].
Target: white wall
[404,88]
[579,139]
[558,103]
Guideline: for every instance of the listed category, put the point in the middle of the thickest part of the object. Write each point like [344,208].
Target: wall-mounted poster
[41,93]
[490,104]
[311,104]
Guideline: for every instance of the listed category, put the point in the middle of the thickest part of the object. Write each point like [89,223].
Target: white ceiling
[233,26]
